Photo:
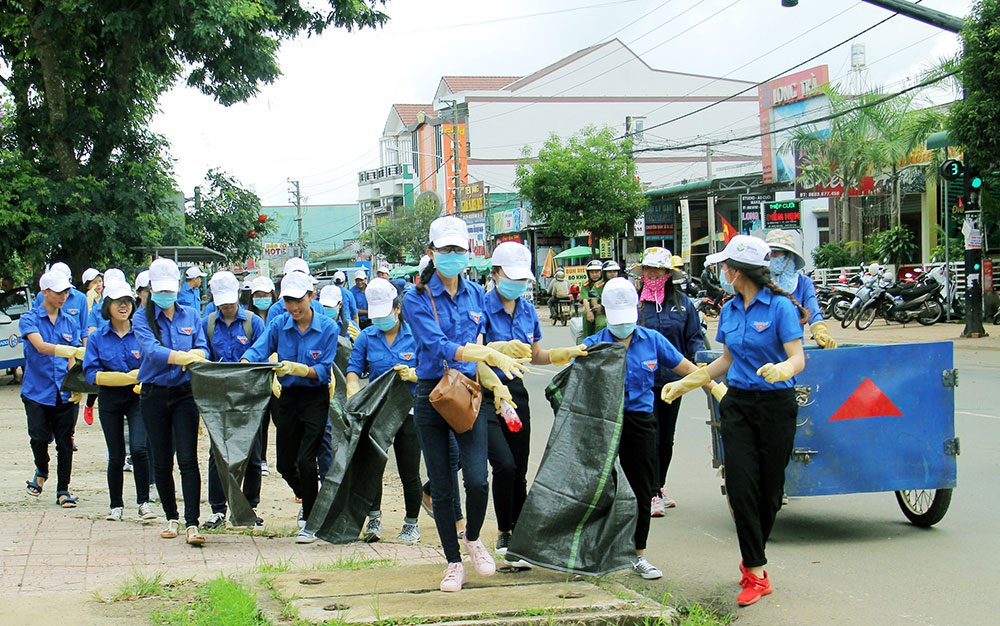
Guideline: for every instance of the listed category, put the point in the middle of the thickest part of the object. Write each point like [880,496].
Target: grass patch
[274,568]
[353,562]
[138,585]
[219,602]
[709,612]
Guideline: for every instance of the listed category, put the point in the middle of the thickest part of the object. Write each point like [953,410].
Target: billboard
[470,197]
[750,217]
[783,214]
[477,233]
[447,150]
[783,102]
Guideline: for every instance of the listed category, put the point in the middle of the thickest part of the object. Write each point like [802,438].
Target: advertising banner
[639,226]
[470,197]
[509,237]
[660,219]
[783,214]
[508,221]
[750,217]
[605,249]
[685,231]
[447,150]
[576,273]
[784,102]
[279,248]
[477,233]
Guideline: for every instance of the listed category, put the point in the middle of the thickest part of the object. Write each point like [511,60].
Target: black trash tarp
[579,516]
[231,398]
[363,430]
[76,381]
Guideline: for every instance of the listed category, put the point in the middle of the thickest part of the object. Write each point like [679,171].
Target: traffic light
[789,3]
[973,187]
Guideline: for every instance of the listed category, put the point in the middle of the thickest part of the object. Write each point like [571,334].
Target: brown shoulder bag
[456,397]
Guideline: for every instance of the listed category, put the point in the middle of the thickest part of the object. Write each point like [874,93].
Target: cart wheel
[924,507]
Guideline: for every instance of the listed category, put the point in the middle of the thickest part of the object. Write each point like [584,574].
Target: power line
[514,17]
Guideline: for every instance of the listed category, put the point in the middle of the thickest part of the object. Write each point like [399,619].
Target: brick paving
[57,551]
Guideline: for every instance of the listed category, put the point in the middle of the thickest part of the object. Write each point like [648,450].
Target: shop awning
[576,253]
[403,270]
[704,240]
[481,265]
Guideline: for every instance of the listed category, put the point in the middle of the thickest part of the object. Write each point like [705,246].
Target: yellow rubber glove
[75,397]
[488,379]
[774,373]
[821,333]
[137,389]
[353,387]
[406,373]
[69,352]
[291,368]
[515,348]
[117,379]
[676,389]
[719,391]
[562,356]
[353,331]
[333,385]
[511,367]
[187,358]
[275,387]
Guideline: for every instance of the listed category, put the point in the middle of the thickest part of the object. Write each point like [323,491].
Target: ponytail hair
[761,276]
[151,320]
[425,276]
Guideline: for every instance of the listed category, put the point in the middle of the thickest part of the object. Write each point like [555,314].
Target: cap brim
[622,316]
[382,309]
[229,297]
[164,285]
[293,292]
[329,303]
[60,286]
[518,273]
[444,242]
[718,257]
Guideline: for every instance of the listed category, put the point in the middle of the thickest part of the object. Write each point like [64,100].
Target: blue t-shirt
[805,294]
[107,352]
[680,326]
[350,304]
[755,336]
[360,301]
[316,347]
[75,308]
[279,307]
[229,343]
[648,352]
[182,333]
[44,373]
[502,326]
[463,319]
[372,349]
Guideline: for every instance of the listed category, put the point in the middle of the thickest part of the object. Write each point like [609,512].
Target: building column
[928,220]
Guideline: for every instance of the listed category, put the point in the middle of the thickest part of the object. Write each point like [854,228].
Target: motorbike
[901,303]
[841,296]
[564,310]
[709,306]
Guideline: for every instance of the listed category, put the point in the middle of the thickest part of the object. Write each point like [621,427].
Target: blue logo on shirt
[651,364]
[315,353]
[406,355]
[761,326]
[476,316]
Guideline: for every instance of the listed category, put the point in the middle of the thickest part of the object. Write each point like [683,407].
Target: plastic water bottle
[510,416]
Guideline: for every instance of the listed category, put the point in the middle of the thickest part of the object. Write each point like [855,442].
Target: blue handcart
[872,418]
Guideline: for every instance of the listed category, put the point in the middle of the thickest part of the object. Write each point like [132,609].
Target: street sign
[951,169]
[782,214]
[470,197]
[750,217]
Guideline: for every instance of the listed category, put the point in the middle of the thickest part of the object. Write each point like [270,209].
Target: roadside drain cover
[311,581]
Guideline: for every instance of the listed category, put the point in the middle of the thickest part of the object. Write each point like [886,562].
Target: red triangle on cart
[866,401]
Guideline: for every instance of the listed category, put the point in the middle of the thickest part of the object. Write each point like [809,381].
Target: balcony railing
[388,171]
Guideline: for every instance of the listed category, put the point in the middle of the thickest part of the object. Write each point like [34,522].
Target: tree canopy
[975,119]
[587,183]
[225,216]
[403,238]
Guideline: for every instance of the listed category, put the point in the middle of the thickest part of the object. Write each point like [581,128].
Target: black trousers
[270,414]
[508,456]
[251,479]
[120,405]
[407,450]
[299,428]
[758,432]
[637,455]
[171,420]
[666,426]
[44,423]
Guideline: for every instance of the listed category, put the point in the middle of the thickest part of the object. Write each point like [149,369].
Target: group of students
[443,322]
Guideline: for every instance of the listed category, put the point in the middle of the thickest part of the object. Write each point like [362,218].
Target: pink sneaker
[454,577]
[481,558]
[668,502]
[656,507]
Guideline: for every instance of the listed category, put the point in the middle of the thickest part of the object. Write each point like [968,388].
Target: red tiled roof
[408,112]
[478,83]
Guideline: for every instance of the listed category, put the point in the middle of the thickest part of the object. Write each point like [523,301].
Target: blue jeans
[435,436]
[119,404]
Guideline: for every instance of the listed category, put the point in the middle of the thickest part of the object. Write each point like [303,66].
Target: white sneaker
[410,533]
[481,558]
[116,514]
[305,536]
[264,469]
[512,561]
[668,502]
[646,569]
[215,520]
[302,518]
[454,577]
[656,507]
[146,511]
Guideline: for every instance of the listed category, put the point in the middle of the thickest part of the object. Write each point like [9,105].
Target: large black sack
[231,398]
[363,429]
[76,381]
[579,516]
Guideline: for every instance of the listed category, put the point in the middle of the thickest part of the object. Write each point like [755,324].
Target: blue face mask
[331,311]
[451,264]
[511,289]
[622,330]
[384,324]
[726,285]
[262,304]
[164,299]
[783,273]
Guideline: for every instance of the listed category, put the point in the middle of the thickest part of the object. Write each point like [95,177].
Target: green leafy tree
[403,237]
[84,78]
[225,216]
[975,119]
[896,244]
[585,183]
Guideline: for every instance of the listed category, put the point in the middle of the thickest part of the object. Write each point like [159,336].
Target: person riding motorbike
[558,290]
[710,283]
[590,295]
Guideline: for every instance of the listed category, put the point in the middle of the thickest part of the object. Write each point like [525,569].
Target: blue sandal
[65,500]
[33,488]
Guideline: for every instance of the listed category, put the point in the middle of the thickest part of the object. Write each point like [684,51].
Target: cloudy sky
[320,122]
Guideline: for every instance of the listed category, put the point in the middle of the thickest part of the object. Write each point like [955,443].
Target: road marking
[992,417]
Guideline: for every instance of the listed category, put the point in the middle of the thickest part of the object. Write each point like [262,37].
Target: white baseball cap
[330,296]
[164,275]
[115,290]
[194,272]
[620,301]
[384,267]
[142,280]
[262,283]
[295,264]
[54,280]
[114,275]
[225,288]
[90,274]
[424,262]
[339,277]
[381,294]
[744,249]
[360,275]
[515,259]
[296,285]
[449,231]
[63,269]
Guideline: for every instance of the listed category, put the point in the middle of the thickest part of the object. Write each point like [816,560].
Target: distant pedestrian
[358,291]
[190,293]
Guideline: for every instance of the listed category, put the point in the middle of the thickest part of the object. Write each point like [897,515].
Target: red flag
[728,232]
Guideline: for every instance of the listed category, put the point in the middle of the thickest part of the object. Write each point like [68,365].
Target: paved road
[845,559]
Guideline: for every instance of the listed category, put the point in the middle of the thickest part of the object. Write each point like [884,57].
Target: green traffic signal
[976,182]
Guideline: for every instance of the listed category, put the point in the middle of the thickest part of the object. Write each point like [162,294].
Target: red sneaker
[743,574]
[88,415]
[753,589]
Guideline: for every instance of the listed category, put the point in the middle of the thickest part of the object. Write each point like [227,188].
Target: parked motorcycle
[861,297]
[901,303]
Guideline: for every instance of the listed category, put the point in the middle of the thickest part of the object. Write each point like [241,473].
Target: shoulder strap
[433,306]
[247,328]
[213,319]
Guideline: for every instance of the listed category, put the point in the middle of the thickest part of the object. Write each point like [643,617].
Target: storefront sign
[783,214]
[685,231]
[605,249]
[750,218]
[660,219]
[639,226]
[987,274]
[576,273]
[477,233]
[470,197]
[508,221]
[509,237]
[275,249]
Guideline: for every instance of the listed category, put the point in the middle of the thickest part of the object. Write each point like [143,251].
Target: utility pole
[711,202]
[300,243]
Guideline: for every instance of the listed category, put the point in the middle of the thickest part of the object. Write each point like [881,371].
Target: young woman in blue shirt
[171,338]
[647,352]
[447,315]
[761,331]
